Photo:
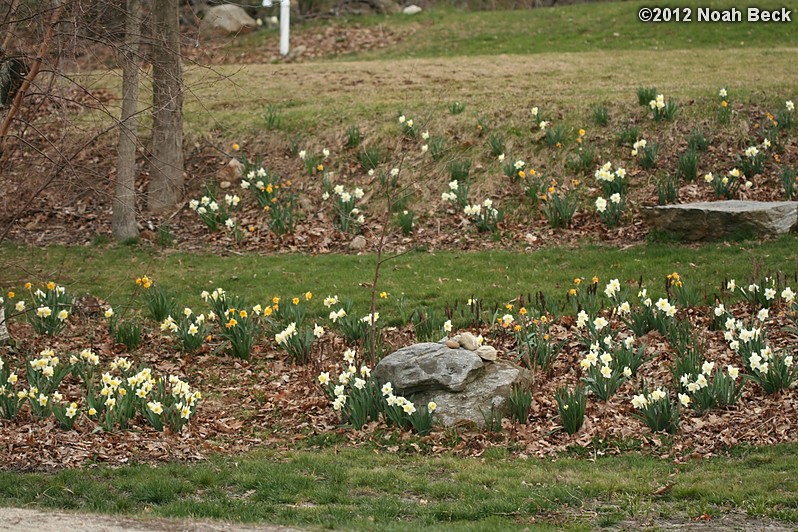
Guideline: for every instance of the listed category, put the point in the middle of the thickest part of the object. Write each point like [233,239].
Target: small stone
[230,173]
[487,352]
[452,344]
[468,341]
[224,185]
[411,10]
[305,203]
[358,243]
[295,53]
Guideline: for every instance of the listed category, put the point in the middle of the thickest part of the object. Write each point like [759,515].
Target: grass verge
[363,489]
[433,279]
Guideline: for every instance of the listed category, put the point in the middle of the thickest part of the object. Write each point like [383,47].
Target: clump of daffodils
[485,216]
[610,212]
[215,214]
[611,180]
[723,109]
[349,217]
[726,186]
[400,412]
[354,393]
[710,387]
[604,375]
[662,110]
[517,170]
[408,126]
[314,162]
[457,193]
[298,340]
[752,161]
[51,307]
[658,410]
[359,399]
[613,184]
[190,329]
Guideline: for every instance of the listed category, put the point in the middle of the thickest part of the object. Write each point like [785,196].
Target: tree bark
[166,176]
[123,221]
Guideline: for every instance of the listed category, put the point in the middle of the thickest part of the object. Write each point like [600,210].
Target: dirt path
[28,520]
[23,520]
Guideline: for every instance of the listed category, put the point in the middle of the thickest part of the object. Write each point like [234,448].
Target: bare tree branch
[32,73]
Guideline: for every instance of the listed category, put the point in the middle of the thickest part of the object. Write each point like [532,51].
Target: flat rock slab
[717,220]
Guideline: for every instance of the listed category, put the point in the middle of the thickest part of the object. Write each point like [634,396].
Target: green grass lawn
[425,278]
[365,490]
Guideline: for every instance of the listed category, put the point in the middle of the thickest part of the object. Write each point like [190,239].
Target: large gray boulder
[713,220]
[226,19]
[462,384]
[428,366]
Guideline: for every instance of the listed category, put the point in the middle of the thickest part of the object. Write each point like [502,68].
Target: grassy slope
[425,278]
[566,57]
[320,100]
[442,32]
[361,489]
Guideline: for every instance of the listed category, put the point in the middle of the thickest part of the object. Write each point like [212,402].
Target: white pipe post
[285,23]
[285,19]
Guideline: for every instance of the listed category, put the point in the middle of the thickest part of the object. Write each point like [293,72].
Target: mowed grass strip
[422,278]
[364,489]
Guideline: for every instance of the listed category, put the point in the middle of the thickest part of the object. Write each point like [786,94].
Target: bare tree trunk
[166,177]
[123,221]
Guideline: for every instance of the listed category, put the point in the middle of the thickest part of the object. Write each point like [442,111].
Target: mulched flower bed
[269,403]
